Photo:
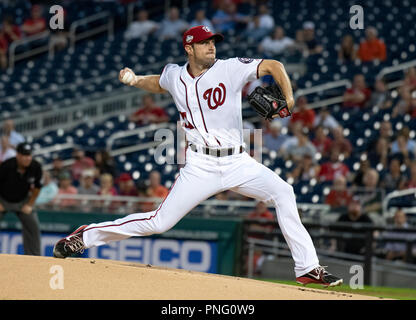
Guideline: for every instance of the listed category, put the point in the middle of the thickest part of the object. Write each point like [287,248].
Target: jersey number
[188,125]
[215,97]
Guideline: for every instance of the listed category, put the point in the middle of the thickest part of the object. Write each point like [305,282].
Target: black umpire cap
[24,148]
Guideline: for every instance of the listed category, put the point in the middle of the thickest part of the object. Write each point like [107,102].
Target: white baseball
[128,77]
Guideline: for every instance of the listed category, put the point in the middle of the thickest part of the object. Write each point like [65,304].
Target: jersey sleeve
[167,76]
[243,70]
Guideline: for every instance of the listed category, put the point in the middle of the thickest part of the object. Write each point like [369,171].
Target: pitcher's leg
[187,192]
[261,183]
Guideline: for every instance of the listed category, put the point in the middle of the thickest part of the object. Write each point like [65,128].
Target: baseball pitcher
[207,93]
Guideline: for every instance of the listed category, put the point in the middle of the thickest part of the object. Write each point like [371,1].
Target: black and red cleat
[320,276]
[70,245]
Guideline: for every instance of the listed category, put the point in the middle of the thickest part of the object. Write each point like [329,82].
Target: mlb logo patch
[206,29]
[189,38]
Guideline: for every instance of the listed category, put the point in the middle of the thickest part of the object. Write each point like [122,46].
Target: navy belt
[217,152]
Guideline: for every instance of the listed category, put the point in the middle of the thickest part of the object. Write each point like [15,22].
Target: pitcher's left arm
[277,70]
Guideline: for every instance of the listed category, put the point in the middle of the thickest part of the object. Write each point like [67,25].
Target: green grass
[383,292]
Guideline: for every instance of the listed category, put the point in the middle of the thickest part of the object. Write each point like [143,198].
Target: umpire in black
[20,183]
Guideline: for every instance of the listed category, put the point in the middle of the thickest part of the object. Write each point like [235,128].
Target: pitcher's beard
[206,63]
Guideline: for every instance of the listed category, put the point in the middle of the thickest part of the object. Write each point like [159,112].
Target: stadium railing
[27,42]
[388,212]
[373,238]
[395,68]
[73,37]
[108,26]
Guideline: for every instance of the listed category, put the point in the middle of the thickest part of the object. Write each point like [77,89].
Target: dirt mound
[28,277]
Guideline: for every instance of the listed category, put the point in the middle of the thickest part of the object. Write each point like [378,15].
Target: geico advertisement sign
[183,254]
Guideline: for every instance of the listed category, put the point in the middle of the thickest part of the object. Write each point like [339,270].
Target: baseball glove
[269,102]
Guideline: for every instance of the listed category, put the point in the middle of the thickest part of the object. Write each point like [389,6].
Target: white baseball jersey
[210,104]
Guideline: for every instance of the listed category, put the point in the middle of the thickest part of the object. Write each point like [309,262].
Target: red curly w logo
[215,97]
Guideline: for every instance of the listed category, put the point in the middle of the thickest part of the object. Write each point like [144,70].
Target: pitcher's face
[203,52]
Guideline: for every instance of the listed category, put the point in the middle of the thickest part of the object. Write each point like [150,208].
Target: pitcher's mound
[29,277]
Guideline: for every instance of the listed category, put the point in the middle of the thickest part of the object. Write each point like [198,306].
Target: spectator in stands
[347,51]
[155,188]
[358,180]
[343,144]
[303,146]
[393,179]
[11,30]
[402,106]
[334,167]
[227,18]
[126,186]
[381,96]
[305,170]
[411,182]
[260,25]
[372,48]
[275,44]
[107,185]
[66,188]
[201,20]
[403,146]
[8,33]
[87,185]
[303,114]
[104,163]
[4,47]
[322,142]
[354,215]
[274,139]
[81,163]
[339,197]
[173,26]
[141,27]
[36,23]
[260,213]
[9,131]
[49,189]
[371,196]
[57,167]
[397,250]
[6,150]
[149,112]
[385,132]
[292,139]
[409,81]
[380,154]
[299,45]
[358,95]
[412,107]
[325,119]
[313,45]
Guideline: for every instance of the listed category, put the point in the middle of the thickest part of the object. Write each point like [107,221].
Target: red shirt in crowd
[306,117]
[323,147]
[371,50]
[330,170]
[38,21]
[143,113]
[338,198]
[365,91]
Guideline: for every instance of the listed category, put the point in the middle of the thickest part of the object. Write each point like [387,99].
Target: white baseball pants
[202,177]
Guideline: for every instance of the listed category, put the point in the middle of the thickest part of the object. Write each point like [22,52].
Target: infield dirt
[29,277]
